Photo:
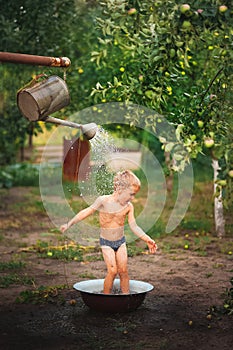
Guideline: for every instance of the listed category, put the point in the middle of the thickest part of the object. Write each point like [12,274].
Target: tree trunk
[30,140]
[170,177]
[218,204]
[22,158]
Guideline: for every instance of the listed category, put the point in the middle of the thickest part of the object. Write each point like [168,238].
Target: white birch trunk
[218,204]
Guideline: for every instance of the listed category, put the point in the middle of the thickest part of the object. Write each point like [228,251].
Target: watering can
[39,99]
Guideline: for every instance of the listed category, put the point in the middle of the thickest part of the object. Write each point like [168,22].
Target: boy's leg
[122,268]
[110,261]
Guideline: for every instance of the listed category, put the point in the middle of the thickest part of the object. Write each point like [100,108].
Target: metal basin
[93,297]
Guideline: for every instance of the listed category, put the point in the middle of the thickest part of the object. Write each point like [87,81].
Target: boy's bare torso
[112,217]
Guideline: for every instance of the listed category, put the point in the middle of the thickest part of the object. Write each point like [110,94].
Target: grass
[66,251]
[13,274]
[12,265]
[15,279]
[42,295]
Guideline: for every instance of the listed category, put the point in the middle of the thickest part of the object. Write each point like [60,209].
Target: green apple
[200,123]
[193,137]
[223,8]
[221,182]
[209,142]
[211,133]
[184,8]
[230,173]
[186,25]
[132,11]
[173,53]
[140,77]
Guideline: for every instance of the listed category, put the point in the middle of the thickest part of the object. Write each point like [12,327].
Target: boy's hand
[63,228]
[152,246]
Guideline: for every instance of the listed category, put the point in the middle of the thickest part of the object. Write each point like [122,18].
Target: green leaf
[149,94]
[169,146]
[177,156]
[179,131]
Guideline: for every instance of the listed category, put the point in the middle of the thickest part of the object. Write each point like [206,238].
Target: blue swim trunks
[115,245]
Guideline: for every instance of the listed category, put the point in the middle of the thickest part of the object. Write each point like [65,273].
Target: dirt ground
[183,311]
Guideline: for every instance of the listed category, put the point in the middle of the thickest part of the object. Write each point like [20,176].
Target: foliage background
[155,54]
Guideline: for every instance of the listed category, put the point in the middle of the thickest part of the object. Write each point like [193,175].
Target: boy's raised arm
[83,214]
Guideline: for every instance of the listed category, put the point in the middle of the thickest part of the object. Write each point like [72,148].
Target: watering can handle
[42,75]
[33,81]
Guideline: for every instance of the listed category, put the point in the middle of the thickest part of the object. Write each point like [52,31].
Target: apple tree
[175,58]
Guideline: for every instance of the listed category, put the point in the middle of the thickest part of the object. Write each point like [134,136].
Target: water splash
[103,145]
[100,178]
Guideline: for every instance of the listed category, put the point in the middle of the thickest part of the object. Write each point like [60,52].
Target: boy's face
[127,195]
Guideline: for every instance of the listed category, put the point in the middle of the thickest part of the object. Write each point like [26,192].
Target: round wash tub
[92,294]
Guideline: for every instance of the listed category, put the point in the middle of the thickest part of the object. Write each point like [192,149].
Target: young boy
[113,210]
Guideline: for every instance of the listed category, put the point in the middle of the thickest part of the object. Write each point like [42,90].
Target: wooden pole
[34,59]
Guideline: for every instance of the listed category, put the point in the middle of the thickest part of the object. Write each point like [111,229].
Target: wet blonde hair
[125,179]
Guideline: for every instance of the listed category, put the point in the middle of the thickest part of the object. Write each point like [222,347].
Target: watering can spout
[88,130]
